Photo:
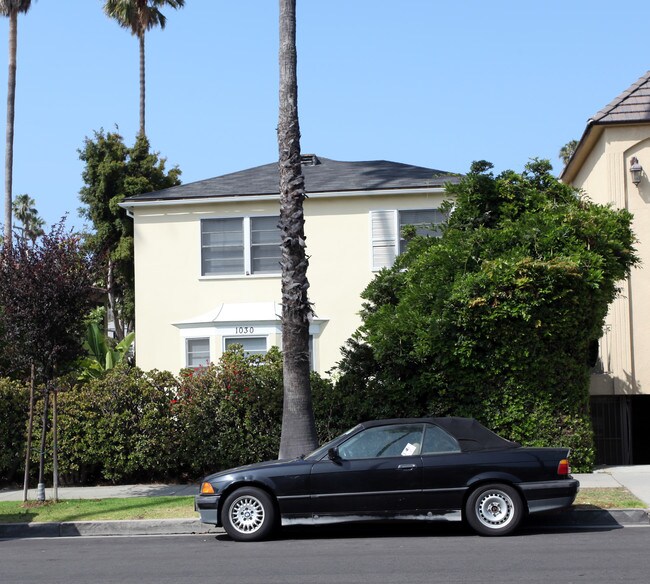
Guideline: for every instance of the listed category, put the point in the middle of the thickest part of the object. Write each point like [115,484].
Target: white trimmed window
[386,228]
[197,352]
[240,246]
[251,345]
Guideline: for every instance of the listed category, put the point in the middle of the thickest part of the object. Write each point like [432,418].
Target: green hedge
[135,426]
[13,420]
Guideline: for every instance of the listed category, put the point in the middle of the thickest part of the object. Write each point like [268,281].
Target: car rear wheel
[248,514]
[494,509]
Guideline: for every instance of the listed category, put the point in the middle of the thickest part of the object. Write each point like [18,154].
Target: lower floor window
[197,353]
[251,345]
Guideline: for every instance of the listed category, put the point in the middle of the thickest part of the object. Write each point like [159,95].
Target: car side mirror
[333,454]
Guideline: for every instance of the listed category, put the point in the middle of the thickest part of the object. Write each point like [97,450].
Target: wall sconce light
[636,170]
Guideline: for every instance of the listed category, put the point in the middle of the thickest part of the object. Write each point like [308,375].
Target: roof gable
[630,107]
[324,176]
[633,105]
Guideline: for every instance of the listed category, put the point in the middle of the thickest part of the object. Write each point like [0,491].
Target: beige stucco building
[607,165]
[206,256]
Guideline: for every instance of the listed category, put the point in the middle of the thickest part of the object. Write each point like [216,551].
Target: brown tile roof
[631,106]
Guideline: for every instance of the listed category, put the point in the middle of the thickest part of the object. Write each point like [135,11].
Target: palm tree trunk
[298,428]
[142,84]
[9,148]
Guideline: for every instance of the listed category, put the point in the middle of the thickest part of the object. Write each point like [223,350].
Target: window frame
[238,338]
[190,340]
[386,239]
[247,244]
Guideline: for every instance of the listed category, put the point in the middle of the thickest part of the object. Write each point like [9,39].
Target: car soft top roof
[471,435]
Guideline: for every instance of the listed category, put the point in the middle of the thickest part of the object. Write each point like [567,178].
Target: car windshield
[321,450]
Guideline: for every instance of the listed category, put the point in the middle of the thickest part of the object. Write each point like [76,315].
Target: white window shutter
[383,225]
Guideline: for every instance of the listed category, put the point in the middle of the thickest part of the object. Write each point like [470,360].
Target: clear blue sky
[436,83]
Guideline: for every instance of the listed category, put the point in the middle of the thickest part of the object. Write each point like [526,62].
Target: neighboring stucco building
[615,142]
[206,255]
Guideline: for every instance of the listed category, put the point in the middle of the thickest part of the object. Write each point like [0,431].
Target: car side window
[383,442]
[437,441]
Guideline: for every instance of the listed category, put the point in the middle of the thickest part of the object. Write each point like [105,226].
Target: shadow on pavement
[418,530]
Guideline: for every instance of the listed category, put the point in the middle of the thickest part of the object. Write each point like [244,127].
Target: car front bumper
[208,508]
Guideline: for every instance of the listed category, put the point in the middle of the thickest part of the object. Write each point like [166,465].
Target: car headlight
[207,489]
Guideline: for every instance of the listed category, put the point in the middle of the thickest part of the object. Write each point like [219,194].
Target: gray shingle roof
[326,176]
[631,106]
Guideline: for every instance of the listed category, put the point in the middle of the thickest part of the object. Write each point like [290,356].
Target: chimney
[309,160]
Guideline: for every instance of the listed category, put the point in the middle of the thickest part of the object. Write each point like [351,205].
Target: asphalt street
[361,555]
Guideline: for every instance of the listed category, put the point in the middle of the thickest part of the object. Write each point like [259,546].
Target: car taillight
[564,468]
[207,489]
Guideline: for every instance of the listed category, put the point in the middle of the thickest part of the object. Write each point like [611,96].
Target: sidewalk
[634,478]
[106,492]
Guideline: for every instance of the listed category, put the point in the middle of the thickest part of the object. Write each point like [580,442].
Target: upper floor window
[240,246]
[386,232]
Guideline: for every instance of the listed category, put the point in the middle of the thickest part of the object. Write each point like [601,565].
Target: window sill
[241,277]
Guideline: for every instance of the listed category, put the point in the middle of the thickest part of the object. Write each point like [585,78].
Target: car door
[445,471]
[376,472]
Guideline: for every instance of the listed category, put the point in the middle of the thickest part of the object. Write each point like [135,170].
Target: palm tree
[298,428]
[567,151]
[11,8]
[25,211]
[139,16]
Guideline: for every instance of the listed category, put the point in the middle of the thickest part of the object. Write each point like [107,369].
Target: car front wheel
[248,514]
[494,509]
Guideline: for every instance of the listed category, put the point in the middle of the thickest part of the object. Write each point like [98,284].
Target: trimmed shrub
[14,414]
[135,426]
[118,428]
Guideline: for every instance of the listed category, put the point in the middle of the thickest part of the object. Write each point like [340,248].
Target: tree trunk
[142,84]
[41,461]
[11,100]
[298,427]
[55,446]
[120,332]
[30,429]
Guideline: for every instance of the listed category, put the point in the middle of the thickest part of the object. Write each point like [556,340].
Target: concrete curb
[569,518]
[108,528]
[576,517]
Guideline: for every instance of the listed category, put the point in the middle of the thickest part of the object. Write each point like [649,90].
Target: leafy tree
[46,288]
[139,16]
[114,171]
[25,212]
[567,151]
[298,427]
[495,319]
[10,9]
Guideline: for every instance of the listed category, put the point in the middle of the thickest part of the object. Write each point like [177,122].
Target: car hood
[283,463]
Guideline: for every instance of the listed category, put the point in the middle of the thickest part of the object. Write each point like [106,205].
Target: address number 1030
[244,330]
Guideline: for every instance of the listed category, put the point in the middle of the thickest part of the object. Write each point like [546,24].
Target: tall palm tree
[139,16]
[11,8]
[298,428]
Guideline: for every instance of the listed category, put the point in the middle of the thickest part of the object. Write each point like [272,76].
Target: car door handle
[406,466]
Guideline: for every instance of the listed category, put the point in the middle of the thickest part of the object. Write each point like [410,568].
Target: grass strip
[608,498]
[97,509]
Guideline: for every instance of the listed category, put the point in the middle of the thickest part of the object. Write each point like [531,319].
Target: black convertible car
[413,469]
